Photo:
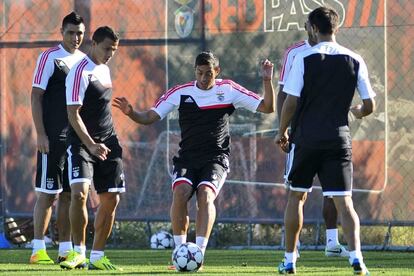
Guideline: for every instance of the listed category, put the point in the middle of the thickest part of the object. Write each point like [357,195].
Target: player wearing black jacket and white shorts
[320,89]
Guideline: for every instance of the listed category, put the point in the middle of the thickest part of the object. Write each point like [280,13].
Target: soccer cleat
[41,257]
[336,251]
[359,269]
[289,268]
[103,264]
[61,259]
[74,260]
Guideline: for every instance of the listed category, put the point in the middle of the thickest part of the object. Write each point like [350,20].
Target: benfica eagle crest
[184,19]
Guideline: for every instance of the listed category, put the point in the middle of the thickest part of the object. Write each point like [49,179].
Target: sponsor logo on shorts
[49,183]
[183,172]
[75,171]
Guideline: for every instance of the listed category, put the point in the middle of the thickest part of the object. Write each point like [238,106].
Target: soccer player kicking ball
[94,152]
[201,166]
[320,89]
[51,122]
[333,248]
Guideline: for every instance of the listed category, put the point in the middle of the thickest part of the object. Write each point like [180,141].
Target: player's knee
[47,199]
[297,196]
[79,196]
[344,204]
[205,195]
[110,199]
[182,192]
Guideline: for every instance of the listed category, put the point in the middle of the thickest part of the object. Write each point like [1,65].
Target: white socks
[202,243]
[38,245]
[356,254]
[81,249]
[332,237]
[96,255]
[179,240]
[64,248]
[290,257]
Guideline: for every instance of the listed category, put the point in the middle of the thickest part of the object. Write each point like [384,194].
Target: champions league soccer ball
[187,257]
[162,240]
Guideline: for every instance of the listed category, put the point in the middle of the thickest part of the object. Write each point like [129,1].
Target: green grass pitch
[217,262]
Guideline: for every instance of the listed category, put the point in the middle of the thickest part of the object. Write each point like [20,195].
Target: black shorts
[107,175]
[212,175]
[51,173]
[332,166]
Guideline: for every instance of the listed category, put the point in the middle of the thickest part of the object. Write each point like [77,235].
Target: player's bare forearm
[267,105]
[269,97]
[37,110]
[367,107]
[288,110]
[145,117]
[37,114]
[78,125]
[281,97]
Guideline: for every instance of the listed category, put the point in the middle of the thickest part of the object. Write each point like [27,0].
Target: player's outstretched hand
[267,69]
[357,111]
[123,104]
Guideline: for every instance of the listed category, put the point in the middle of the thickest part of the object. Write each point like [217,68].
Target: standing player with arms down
[333,248]
[51,121]
[201,167]
[320,89]
[94,152]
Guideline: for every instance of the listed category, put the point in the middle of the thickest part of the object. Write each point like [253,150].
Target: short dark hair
[206,58]
[325,19]
[104,32]
[72,18]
